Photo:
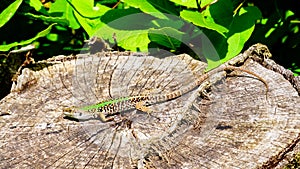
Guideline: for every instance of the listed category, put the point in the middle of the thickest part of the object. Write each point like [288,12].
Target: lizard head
[79,114]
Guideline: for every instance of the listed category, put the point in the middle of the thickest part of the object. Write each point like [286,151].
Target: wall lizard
[106,109]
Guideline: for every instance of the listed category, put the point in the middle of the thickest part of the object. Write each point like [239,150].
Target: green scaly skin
[109,107]
[105,110]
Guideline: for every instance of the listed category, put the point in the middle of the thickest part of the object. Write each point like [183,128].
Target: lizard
[106,109]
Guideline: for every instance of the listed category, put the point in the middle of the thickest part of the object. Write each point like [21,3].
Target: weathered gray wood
[237,128]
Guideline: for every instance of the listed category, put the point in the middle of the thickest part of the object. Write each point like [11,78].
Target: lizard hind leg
[142,107]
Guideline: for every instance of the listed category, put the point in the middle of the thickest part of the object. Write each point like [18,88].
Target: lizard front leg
[103,118]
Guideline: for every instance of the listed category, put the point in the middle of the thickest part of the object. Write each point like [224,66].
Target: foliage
[279,29]
[9,12]
[141,24]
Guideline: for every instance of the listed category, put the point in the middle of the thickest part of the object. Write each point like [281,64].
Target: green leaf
[134,36]
[91,24]
[241,29]
[236,43]
[228,32]
[52,37]
[62,9]
[240,26]
[221,12]
[134,40]
[155,8]
[38,6]
[26,42]
[86,8]
[172,21]
[199,20]
[59,20]
[167,36]
[209,51]
[212,57]
[296,72]
[192,3]
[7,13]
[187,3]
[164,6]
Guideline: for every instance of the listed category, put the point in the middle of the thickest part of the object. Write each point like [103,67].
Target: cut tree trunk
[238,124]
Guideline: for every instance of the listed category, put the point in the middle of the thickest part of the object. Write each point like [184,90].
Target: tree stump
[237,126]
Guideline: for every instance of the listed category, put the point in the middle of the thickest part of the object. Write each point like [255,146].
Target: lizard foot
[203,90]
[141,106]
